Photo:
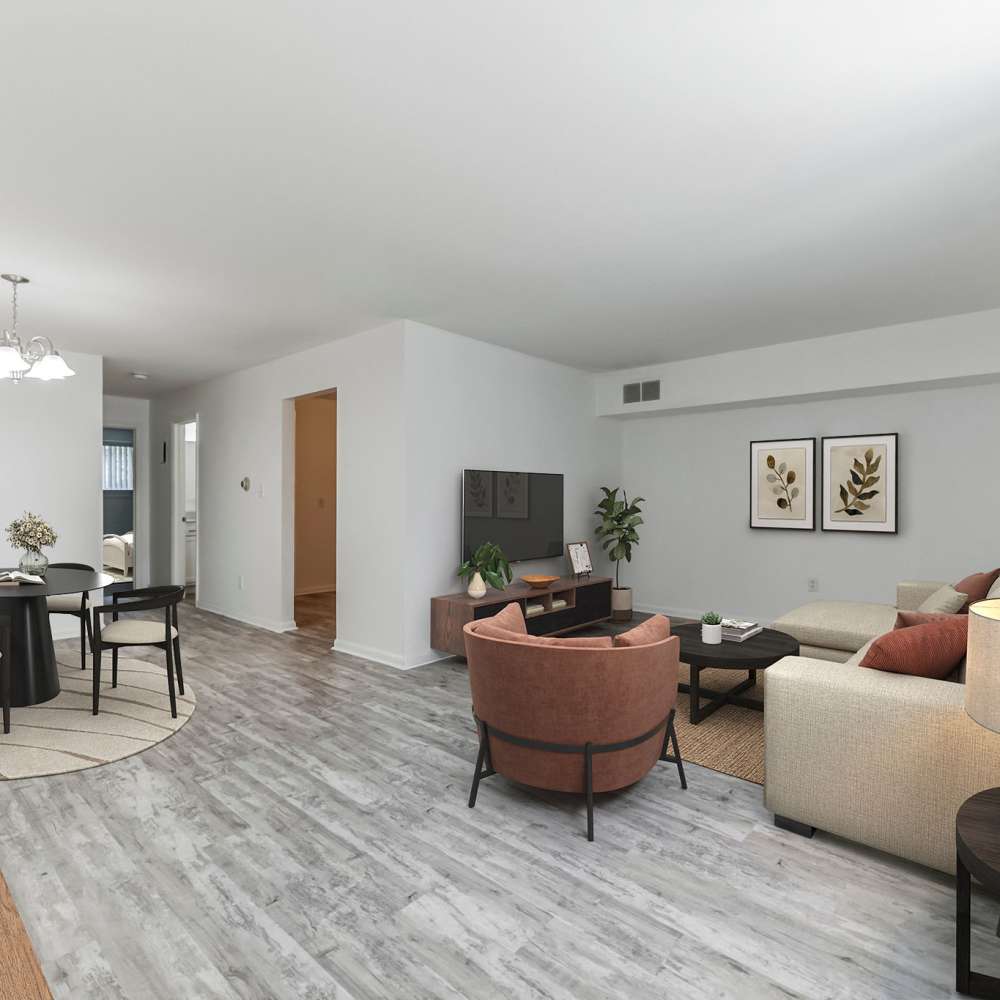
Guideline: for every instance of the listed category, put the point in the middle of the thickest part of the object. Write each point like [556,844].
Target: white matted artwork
[512,494]
[783,484]
[578,554]
[859,483]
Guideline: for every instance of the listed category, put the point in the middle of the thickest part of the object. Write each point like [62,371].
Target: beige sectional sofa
[883,759]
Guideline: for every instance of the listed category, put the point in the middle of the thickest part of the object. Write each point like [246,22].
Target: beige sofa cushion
[846,625]
[945,600]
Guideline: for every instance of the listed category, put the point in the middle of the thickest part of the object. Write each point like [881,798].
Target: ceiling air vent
[631,392]
[650,391]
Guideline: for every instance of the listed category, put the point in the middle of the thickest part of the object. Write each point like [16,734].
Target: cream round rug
[62,735]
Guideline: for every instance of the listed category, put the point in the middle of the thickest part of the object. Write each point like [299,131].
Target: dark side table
[977,843]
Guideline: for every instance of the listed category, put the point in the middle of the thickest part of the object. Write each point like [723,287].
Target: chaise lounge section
[884,759]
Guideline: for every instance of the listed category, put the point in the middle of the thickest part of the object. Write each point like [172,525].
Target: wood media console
[588,601]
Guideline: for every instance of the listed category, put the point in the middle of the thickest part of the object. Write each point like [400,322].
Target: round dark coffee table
[751,655]
[34,675]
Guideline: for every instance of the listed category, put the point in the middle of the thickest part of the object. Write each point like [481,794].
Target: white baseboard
[373,653]
[264,623]
[395,660]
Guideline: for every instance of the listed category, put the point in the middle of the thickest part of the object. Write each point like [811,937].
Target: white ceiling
[195,187]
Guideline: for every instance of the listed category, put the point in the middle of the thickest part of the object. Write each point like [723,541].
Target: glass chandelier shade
[38,359]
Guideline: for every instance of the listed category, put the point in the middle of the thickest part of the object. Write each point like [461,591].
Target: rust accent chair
[558,715]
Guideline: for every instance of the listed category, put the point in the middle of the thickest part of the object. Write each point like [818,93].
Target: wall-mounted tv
[521,511]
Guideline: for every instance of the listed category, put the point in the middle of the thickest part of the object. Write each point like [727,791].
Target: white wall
[935,351]
[50,439]
[121,411]
[245,429]
[473,405]
[698,553]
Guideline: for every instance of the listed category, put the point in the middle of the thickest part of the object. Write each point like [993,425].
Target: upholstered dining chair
[6,680]
[77,606]
[139,632]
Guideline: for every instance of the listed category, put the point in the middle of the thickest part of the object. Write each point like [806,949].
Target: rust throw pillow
[651,630]
[933,649]
[511,618]
[977,586]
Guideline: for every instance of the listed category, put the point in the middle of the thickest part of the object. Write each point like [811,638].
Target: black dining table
[35,676]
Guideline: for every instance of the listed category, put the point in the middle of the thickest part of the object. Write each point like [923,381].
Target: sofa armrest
[910,594]
[882,759]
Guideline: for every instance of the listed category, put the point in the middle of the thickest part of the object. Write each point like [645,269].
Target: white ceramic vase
[711,635]
[477,588]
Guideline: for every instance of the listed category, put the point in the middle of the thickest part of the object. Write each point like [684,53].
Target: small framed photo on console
[578,554]
[782,484]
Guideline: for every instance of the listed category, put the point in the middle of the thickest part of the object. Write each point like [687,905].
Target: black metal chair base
[716,699]
[484,764]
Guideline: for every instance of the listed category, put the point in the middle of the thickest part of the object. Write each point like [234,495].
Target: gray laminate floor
[306,835]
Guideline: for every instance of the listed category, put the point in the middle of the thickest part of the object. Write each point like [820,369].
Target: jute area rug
[730,740]
[62,735]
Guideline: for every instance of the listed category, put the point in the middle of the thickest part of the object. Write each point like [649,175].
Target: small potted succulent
[31,533]
[711,628]
[488,565]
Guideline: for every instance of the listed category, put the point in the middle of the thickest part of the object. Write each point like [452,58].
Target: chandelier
[36,359]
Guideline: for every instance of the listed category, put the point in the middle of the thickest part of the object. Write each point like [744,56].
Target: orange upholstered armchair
[572,718]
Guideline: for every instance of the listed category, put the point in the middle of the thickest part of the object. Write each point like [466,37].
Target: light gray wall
[50,439]
[697,551]
[474,405]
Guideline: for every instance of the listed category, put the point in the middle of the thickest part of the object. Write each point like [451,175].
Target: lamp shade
[11,361]
[51,366]
[982,665]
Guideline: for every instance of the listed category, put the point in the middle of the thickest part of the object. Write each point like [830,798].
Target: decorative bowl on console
[539,582]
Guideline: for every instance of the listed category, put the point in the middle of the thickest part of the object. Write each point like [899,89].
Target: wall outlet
[241,582]
[812,585]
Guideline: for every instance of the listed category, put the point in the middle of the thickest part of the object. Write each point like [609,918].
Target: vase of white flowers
[32,534]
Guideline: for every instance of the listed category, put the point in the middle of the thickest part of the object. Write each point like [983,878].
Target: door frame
[178,574]
[142,546]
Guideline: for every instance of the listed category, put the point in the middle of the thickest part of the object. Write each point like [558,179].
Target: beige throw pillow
[994,591]
[945,601]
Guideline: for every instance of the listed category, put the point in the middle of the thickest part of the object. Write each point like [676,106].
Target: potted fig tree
[619,521]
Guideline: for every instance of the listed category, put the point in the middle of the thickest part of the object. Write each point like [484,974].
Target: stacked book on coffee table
[737,631]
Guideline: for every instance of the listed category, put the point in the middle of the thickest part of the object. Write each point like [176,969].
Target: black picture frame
[892,504]
[787,525]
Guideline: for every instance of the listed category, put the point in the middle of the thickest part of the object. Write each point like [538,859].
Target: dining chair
[77,606]
[5,669]
[139,632]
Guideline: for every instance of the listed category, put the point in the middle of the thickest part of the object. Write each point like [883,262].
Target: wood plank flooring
[306,835]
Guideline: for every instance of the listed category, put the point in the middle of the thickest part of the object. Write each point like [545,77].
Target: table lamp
[982,665]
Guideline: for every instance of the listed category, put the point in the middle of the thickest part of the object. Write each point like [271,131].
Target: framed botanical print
[783,484]
[859,483]
[478,499]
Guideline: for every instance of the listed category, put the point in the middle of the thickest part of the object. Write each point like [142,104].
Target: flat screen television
[521,511]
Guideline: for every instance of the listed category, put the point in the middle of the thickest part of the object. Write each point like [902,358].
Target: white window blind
[118,466]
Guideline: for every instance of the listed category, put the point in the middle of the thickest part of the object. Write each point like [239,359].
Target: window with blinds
[118,464]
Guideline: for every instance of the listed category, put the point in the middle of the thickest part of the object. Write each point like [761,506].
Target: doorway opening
[315,578]
[118,484]
[184,507]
